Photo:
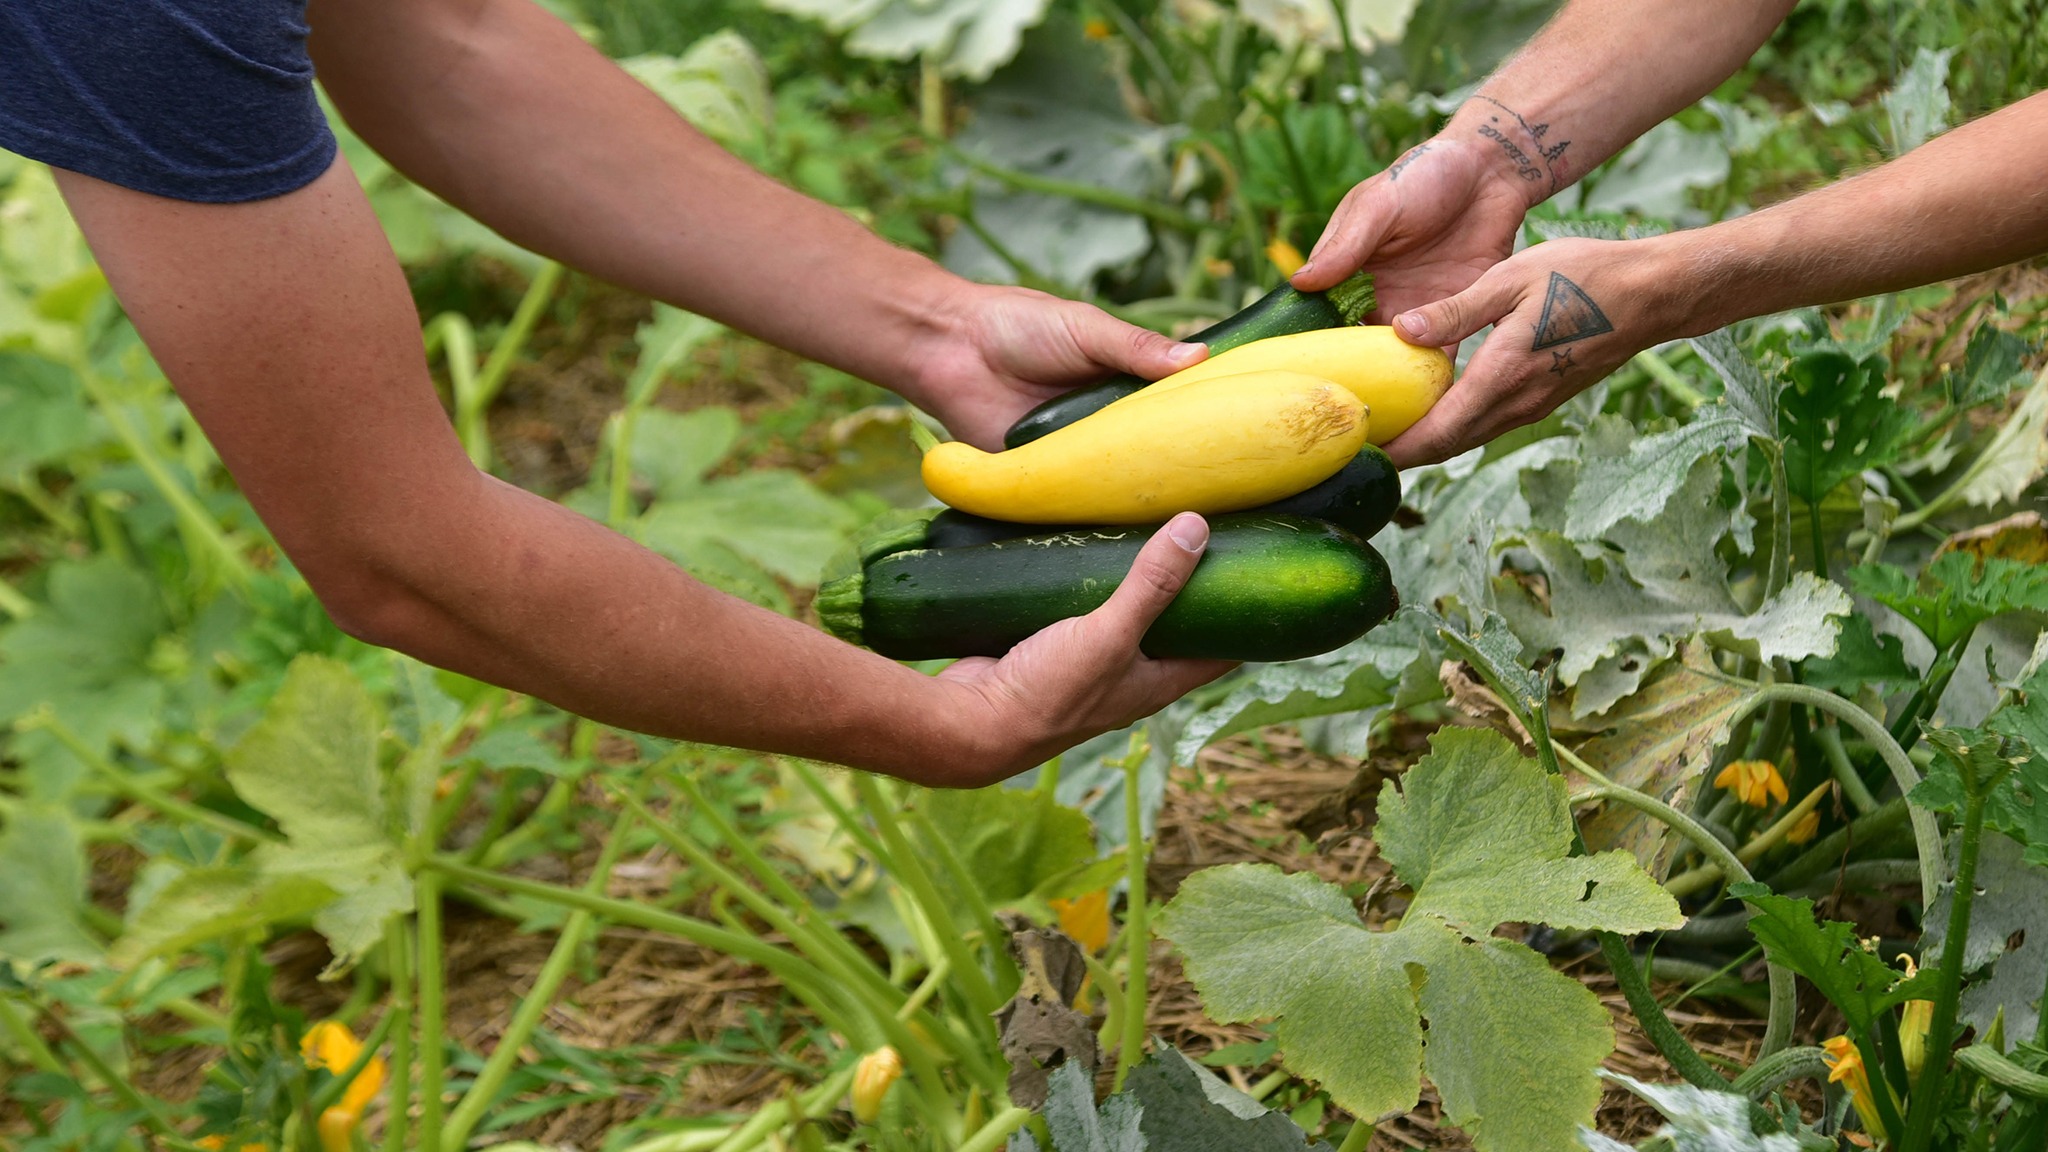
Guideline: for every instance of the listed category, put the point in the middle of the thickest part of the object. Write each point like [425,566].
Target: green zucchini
[1268,588]
[1281,312]
[1360,499]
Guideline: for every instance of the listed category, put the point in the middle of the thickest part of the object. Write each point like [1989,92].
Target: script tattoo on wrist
[1568,314]
[1407,158]
[1538,161]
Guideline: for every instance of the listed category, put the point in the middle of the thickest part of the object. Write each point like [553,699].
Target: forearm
[499,108]
[1601,74]
[1967,201]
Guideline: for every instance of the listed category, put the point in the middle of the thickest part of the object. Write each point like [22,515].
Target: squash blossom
[1096,29]
[1845,1066]
[1805,829]
[330,1045]
[871,1079]
[1914,1020]
[1754,782]
[1286,257]
[1086,919]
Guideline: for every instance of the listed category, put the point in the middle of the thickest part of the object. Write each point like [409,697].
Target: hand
[1081,677]
[1003,351]
[1564,314]
[1426,228]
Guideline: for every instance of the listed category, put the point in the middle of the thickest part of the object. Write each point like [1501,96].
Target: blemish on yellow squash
[1218,445]
[1397,381]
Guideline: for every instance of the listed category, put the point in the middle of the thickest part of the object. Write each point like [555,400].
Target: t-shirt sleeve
[202,100]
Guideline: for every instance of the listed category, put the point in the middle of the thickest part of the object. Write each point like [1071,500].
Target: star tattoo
[1560,361]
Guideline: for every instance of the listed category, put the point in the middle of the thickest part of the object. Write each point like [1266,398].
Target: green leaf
[1636,483]
[1862,657]
[87,657]
[1698,1121]
[1011,839]
[1747,393]
[1077,1125]
[1831,956]
[1482,834]
[674,450]
[1994,366]
[208,903]
[42,902]
[311,765]
[770,518]
[43,414]
[1917,106]
[1497,655]
[1365,673]
[1955,593]
[2015,458]
[1619,608]
[2022,811]
[718,84]
[1837,422]
[2010,896]
[1185,1108]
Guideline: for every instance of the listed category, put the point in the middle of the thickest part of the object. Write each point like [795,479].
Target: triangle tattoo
[1568,314]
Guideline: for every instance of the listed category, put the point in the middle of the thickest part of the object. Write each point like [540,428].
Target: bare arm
[1971,200]
[498,107]
[288,329]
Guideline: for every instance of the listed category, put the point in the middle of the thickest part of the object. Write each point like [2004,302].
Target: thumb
[1156,577]
[1128,348]
[1448,321]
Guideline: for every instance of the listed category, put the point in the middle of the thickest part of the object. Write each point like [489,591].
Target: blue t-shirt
[206,100]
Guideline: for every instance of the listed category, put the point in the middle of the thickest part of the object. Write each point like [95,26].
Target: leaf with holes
[1955,593]
[1837,422]
[1830,955]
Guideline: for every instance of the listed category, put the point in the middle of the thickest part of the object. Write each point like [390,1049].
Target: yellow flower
[1754,782]
[216,1143]
[1914,1020]
[1286,257]
[1085,918]
[1096,29]
[1217,267]
[1803,831]
[871,1079]
[330,1045]
[1845,1066]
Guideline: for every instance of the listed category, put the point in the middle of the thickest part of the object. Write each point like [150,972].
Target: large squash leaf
[1483,835]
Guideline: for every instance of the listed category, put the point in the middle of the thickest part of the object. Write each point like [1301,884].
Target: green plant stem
[1829,737]
[1070,189]
[1784,1007]
[1781,519]
[198,525]
[849,968]
[537,1000]
[16,605]
[1827,852]
[909,869]
[1774,1071]
[1926,833]
[996,1131]
[1675,385]
[491,380]
[1927,1094]
[432,1008]
[29,1040]
[153,1116]
[1352,63]
[398,954]
[1112,990]
[1905,730]
[963,880]
[803,978]
[1359,1136]
[1137,929]
[138,789]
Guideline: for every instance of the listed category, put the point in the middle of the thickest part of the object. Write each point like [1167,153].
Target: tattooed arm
[1567,312]
[1595,78]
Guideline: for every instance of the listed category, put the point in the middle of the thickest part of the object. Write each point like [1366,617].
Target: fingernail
[1189,531]
[1413,323]
[1307,266]
[1184,353]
